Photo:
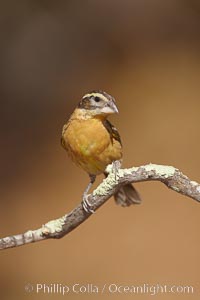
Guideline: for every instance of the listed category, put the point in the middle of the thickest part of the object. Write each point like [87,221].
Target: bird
[93,143]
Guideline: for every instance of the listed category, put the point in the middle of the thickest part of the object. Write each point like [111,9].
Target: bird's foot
[116,165]
[113,168]
[87,205]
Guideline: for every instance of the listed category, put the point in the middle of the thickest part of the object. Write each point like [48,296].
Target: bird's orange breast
[90,145]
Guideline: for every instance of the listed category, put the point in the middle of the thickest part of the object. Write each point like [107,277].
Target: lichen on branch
[58,228]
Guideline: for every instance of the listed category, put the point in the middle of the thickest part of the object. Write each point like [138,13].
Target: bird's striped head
[98,103]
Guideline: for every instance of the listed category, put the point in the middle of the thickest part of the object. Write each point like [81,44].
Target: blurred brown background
[147,55]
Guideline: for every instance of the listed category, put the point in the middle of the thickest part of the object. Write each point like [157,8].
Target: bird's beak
[110,108]
[114,107]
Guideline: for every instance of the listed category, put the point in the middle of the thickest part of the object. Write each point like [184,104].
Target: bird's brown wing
[114,134]
[127,194]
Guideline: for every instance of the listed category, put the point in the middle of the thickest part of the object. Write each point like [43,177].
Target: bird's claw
[115,167]
[87,205]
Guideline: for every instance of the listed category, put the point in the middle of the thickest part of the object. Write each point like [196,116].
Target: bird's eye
[97,99]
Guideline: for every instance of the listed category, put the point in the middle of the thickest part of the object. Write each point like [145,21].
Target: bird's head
[98,103]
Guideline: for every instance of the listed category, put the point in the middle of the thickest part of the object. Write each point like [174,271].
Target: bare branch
[58,228]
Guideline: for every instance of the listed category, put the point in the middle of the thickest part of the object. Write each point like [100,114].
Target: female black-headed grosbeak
[93,142]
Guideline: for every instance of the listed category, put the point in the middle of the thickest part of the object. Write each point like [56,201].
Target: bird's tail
[127,195]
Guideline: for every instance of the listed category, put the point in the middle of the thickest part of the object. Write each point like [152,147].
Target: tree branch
[58,228]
